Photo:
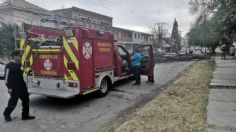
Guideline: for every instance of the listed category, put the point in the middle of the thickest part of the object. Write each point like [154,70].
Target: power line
[118,6]
[117,11]
[127,11]
[105,6]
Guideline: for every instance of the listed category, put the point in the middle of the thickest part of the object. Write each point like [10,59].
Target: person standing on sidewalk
[136,66]
[223,54]
[16,88]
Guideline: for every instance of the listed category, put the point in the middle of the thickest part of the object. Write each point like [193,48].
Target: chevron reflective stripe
[71,72]
[22,43]
[25,54]
[76,44]
[65,76]
[70,52]
[46,50]
[90,91]
[26,70]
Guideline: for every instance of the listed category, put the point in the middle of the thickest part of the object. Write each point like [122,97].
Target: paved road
[87,113]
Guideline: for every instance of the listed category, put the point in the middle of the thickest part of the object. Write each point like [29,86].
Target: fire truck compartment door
[48,64]
[147,61]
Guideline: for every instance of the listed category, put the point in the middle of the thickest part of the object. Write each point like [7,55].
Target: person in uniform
[136,66]
[16,88]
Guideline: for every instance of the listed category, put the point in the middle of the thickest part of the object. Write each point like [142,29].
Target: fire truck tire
[104,87]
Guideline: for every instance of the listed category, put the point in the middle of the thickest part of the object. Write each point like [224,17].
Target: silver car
[2,68]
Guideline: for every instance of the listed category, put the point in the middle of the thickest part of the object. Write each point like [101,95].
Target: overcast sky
[136,15]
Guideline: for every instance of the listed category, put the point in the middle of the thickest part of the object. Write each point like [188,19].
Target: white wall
[18,17]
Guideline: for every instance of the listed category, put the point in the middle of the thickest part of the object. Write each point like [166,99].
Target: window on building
[119,34]
[135,35]
[104,24]
[130,35]
[83,19]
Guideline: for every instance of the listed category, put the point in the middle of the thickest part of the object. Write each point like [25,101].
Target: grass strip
[179,108]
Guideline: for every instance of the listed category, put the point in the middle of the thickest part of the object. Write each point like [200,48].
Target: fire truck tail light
[73,85]
[71,65]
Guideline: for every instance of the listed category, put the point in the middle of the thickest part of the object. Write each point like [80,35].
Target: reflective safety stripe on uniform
[71,55]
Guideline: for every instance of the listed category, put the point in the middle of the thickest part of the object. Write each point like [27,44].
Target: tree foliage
[215,24]
[7,41]
[202,36]
[175,35]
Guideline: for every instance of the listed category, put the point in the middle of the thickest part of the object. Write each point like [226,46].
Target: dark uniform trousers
[15,96]
[136,72]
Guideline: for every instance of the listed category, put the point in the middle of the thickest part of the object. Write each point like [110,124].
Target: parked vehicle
[2,68]
[76,61]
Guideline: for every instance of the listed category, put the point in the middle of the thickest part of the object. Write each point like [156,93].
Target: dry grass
[180,108]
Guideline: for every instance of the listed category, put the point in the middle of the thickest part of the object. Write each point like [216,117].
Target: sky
[138,15]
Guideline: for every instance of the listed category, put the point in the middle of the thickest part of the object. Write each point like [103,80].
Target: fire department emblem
[87,50]
[48,64]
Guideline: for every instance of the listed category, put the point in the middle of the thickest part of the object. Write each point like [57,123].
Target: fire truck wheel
[104,87]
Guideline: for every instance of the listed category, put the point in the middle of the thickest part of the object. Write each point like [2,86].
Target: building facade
[96,20]
[130,36]
[21,11]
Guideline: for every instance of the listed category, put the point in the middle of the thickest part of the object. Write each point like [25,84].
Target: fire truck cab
[77,61]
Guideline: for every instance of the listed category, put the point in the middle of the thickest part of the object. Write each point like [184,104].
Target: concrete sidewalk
[221,109]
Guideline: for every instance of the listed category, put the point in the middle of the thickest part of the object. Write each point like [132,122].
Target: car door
[122,61]
[147,61]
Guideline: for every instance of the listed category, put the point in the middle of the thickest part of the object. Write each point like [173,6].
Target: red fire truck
[76,60]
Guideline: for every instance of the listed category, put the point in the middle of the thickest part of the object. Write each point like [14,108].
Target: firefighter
[136,66]
[16,88]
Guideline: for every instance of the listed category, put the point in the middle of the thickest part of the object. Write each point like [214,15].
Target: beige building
[142,38]
[19,11]
[130,36]
[94,19]
[122,35]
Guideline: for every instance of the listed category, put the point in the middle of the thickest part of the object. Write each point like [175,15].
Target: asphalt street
[87,113]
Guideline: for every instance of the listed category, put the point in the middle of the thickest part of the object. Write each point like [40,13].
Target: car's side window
[121,51]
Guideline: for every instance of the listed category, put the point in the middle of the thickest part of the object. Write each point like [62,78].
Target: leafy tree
[202,36]
[219,18]
[223,23]
[7,41]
